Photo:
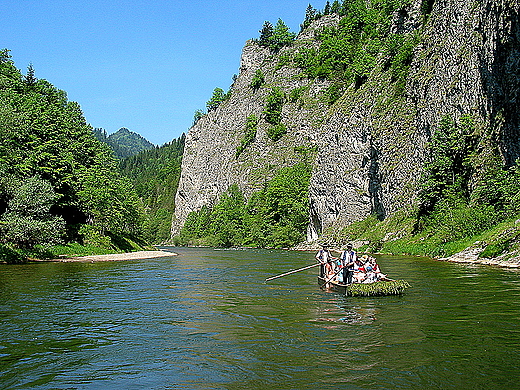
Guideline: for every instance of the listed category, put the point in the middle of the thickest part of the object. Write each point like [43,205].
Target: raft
[380,288]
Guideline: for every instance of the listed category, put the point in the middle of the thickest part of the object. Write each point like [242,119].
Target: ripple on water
[206,320]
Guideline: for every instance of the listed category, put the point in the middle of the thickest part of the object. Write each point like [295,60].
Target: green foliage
[276,37]
[197,115]
[359,228]
[45,136]
[10,255]
[310,16]
[297,93]
[258,80]
[427,7]
[399,50]
[495,249]
[334,92]
[276,216]
[281,36]
[227,224]
[195,230]
[155,176]
[266,34]
[349,52]
[452,219]
[394,287]
[274,105]
[108,200]
[217,98]
[75,249]
[92,236]
[124,143]
[276,132]
[448,170]
[250,134]
[500,188]
[27,220]
[459,205]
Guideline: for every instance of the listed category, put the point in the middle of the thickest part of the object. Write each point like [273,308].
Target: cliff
[368,146]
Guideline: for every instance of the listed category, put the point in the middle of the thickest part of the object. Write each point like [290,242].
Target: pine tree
[266,34]
[336,7]
[30,79]
[218,97]
[197,115]
[281,36]
[310,16]
[326,11]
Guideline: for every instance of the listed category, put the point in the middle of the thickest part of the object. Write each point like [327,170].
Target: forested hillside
[155,176]
[123,142]
[58,183]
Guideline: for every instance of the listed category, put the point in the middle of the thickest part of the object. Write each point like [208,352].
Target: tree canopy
[48,149]
[275,37]
[276,216]
[155,176]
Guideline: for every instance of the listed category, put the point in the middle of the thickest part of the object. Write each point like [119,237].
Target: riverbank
[139,255]
[472,254]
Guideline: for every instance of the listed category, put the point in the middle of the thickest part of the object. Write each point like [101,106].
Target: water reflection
[206,320]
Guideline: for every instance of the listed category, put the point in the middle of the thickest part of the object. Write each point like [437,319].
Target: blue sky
[145,65]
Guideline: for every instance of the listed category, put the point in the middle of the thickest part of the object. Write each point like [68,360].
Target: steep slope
[155,174]
[369,145]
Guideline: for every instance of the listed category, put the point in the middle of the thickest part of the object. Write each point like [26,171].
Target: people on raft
[348,268]
[366,270]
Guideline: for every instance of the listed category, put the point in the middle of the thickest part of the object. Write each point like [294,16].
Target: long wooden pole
[292,272]
[332,277]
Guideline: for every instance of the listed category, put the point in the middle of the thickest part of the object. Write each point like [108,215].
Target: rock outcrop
[368,148]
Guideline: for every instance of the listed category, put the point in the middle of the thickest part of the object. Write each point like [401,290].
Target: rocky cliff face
[370,144]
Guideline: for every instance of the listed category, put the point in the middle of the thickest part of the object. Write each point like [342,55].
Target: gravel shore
[117,257]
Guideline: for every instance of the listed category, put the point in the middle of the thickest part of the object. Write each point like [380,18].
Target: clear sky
[144,64]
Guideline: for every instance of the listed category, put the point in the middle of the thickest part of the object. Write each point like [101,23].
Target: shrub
[28,221]
[276,132]
[258,80]
[274,105]
[250,134]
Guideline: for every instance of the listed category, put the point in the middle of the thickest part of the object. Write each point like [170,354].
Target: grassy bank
[120,244]
[399,234]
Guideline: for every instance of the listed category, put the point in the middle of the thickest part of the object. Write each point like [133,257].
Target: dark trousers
[347,276]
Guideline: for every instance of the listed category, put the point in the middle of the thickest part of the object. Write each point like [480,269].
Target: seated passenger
[330,269]
[359,271]
[377,270]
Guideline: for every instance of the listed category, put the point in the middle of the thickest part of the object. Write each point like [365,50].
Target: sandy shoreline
[114,257]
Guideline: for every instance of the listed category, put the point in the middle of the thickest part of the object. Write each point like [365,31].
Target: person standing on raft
[324,257]
[348,259]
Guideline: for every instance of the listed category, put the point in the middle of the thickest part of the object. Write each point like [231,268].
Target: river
[206,320]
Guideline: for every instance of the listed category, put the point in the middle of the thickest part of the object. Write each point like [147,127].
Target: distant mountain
[124,143]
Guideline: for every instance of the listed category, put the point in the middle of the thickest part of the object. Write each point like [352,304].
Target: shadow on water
[206,320]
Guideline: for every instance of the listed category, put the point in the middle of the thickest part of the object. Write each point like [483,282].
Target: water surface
[206,320]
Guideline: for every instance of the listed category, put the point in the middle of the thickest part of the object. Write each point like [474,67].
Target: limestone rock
[370,144]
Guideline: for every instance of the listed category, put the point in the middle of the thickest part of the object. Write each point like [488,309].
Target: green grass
[75,249]
[395,287]
[395,235]
[119,244]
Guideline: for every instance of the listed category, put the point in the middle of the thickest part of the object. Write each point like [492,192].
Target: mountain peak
[126,143]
